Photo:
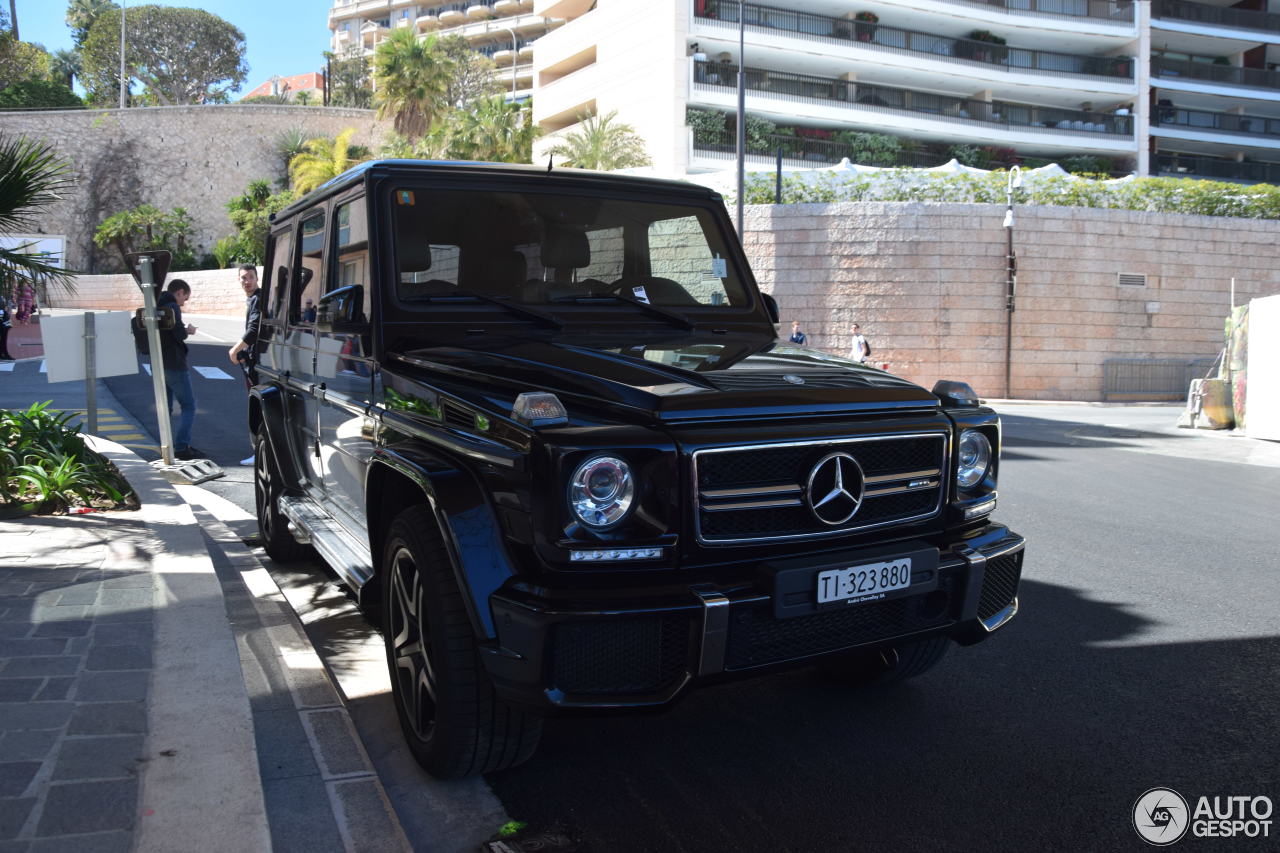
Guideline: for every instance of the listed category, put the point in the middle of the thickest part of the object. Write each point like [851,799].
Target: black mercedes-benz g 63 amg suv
[542,422]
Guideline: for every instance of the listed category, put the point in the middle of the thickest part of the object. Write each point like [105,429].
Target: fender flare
[266,408]
[468,526]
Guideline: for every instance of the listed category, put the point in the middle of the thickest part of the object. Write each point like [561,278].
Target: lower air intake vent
[999,584]
[635,656]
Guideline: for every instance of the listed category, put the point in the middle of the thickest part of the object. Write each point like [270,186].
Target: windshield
[548,249]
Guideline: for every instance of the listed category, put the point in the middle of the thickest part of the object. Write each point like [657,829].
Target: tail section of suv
[542,421]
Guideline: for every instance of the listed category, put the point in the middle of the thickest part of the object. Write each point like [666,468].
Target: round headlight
[601,491]
[975,459]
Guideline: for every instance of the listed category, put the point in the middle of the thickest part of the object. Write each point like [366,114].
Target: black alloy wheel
[453,722]
[277,541]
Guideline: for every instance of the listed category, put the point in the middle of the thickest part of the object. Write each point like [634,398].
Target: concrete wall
[197,157]
[927,281]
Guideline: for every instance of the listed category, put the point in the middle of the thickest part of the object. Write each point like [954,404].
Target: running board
[310,524]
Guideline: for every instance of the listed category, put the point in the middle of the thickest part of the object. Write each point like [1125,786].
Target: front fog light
[974,461]
[601,491]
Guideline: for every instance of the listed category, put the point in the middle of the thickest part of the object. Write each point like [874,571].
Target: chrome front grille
[760,492]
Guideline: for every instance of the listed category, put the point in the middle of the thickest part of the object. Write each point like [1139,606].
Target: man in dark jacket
[177,373]
[244,349]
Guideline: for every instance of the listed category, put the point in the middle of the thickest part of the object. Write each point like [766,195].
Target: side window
[277,275]
[678,251]
[352,241]
[308,271]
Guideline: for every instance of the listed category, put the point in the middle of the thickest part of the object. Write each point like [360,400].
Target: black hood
[691,377]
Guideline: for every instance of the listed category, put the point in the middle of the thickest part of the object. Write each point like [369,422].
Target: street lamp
[515,55]
[123,84]
[1011,273]
[742,107]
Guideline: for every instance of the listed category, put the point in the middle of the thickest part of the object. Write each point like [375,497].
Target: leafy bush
[30,94]
[146,227]
[46,467]
[708,126]
[250,214]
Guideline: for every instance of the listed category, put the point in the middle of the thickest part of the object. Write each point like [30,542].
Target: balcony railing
[823,151]
[1002,57]
[890,99]
[1218,16]
[1167,116]
[1104,10]
[1229,75]
[1183,166]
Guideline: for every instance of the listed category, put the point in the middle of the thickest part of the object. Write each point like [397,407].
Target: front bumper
[643,647]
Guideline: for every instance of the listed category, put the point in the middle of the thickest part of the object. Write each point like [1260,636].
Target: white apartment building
[1159,86]
[503,30]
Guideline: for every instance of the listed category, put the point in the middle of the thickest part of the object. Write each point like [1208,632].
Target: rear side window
[309,270]
[352,232]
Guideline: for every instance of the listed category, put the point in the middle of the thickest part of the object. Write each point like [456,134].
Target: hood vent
[458,417]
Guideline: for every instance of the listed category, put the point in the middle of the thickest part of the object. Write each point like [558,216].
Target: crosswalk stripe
[211,372]
[132,436]
[147,368]
[6,367]
[116,427]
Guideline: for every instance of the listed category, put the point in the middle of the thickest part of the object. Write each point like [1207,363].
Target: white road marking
[147,368]
[6,367]
[212,372]
[43,369]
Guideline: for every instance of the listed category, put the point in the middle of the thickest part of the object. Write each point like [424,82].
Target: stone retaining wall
[212,292]
[926,281]
[196,157]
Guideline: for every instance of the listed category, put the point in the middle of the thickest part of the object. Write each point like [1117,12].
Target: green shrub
[708,126]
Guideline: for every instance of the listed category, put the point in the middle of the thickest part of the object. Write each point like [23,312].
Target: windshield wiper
[501,302]
[670,316]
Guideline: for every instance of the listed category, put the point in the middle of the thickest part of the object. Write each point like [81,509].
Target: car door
[344,370]
[299,355]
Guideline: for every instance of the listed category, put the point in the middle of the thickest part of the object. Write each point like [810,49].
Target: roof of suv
[605,180]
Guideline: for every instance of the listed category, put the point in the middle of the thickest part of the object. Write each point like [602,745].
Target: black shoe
[188,453]
[4,356]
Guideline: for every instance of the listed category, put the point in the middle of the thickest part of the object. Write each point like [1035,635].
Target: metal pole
[124,86]
[777,187]
[742,108]
[1011,271]
[157,359]
[90,373]
[515,55]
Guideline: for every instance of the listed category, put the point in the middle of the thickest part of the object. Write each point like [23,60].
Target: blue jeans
[177,384]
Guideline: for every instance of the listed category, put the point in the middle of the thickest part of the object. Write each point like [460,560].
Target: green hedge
[1158,195]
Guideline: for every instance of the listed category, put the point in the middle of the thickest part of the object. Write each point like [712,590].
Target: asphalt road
[1145,655]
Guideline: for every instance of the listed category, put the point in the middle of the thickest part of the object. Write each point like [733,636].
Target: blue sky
[283,37]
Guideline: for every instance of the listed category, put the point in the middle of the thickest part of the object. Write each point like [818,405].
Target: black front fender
[267,410]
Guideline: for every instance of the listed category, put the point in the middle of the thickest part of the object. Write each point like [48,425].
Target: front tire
[453,722]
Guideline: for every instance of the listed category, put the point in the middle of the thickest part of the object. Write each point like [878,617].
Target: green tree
[323,159]
[474,75]
[181,56]
[21,61]
[600,143]
[82,13]
[493,129]
[412,80]
[349,82]
[32,177]
[147,227]
[251,214]
[64,66]
[29,94]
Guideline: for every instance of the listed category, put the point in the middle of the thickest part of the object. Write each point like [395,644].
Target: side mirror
[341,310]
[771,305]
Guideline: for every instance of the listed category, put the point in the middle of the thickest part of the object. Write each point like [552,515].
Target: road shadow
[1045,736]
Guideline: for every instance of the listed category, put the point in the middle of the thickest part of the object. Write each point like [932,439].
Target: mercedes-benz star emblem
[792,378]
[834,490]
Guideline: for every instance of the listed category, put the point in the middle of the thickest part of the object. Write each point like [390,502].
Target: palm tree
[82,13]
[64,66]
[32,177]
[323,159]
[599,143]
[411,81]
[493,129]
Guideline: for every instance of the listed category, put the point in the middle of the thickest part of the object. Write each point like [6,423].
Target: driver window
[302,304]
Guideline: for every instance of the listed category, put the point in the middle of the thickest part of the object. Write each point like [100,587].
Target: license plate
[867,582]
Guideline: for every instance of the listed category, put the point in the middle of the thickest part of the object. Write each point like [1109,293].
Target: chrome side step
[310,524]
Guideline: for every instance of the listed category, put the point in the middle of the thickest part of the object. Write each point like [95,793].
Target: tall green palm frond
[323,159]
[600,143]
[32,178]
[411,81]
[494,129]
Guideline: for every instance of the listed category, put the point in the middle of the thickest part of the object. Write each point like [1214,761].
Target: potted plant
[992,48]
[865,25]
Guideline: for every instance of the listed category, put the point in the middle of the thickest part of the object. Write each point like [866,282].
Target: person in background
[309,312]
[177,372]
[861,350]
[245,348]
[797,336]
[6,320]
[26,303]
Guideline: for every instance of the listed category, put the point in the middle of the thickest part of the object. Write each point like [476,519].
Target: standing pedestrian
[797,336]
[244,353]
[861,350]
[6,320]
[177,372]
[26,303]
